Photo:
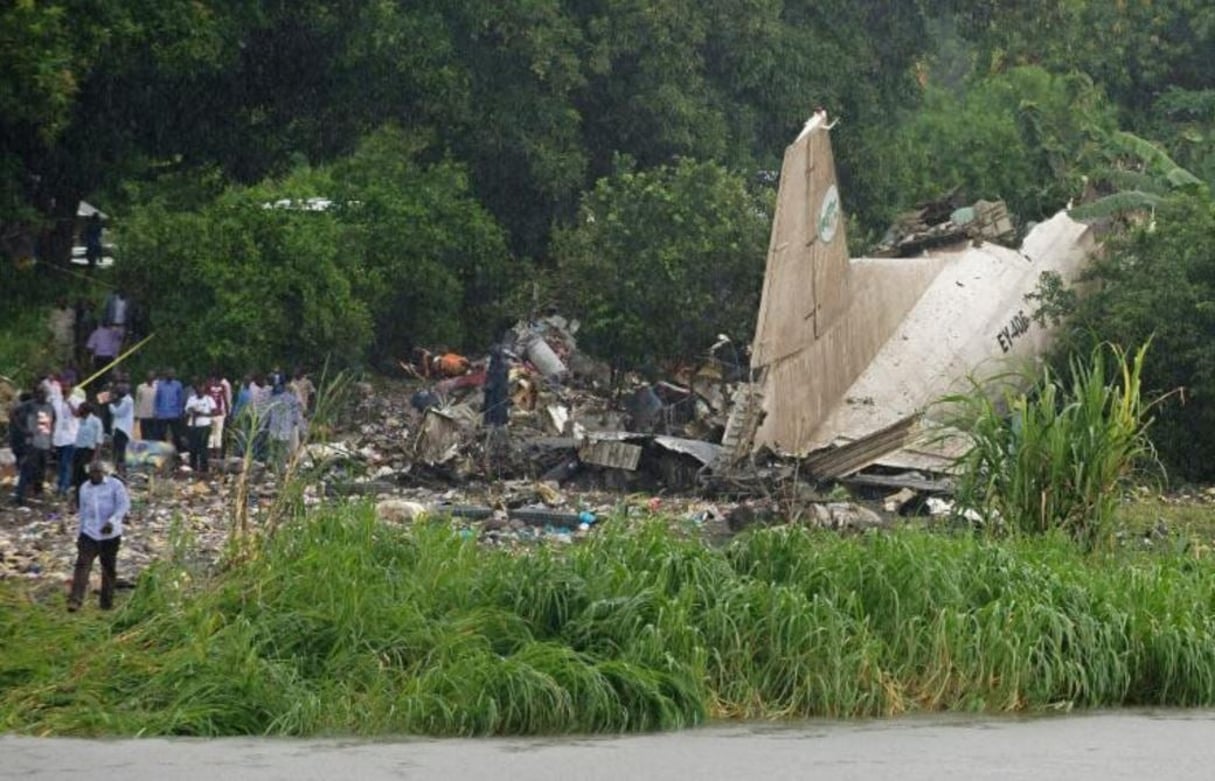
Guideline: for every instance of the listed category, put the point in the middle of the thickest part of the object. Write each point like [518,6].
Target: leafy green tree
[1027,136]
[86,90]
[434,266]
[1158,281]
[243,285]
[1183,121]
[1133,50]
[375,252]
[661,261]
[1137,176]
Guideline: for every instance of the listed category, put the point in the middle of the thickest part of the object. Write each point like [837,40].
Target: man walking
[104,504]
[104,343]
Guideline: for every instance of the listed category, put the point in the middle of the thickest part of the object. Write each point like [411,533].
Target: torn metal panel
[705,452]
[557,417]
[612,453]
[906,482]
[442,433]
[846,456]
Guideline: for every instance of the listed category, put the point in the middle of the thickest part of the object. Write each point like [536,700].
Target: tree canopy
[660,261]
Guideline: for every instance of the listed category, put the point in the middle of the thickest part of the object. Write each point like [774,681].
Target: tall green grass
[1056,456]
[344,625]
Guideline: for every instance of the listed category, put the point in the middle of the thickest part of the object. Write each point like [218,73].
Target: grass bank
[347,626]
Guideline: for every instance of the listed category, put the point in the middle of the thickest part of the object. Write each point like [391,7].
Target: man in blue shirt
[168,406]
[104,504]
[88,441]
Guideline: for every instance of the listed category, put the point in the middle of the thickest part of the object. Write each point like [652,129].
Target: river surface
[1116,745]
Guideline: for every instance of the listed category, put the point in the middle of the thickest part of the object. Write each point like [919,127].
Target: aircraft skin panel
[800,390]
[788,294]
[973,321]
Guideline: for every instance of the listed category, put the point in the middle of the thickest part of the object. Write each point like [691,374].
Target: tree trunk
[59,233]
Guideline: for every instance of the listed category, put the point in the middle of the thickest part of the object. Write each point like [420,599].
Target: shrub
[1054,457]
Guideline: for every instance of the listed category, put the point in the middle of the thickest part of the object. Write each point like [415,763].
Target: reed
[1057,457]
[345,625]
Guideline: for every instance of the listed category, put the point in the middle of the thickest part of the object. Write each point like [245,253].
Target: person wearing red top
[221,394]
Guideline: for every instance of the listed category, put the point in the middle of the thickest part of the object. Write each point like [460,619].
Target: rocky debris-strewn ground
[520,486]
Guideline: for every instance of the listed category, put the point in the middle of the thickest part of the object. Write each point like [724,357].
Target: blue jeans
[63,454]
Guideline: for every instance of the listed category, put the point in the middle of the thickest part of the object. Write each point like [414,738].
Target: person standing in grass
[301,385]
[62,325]
[83,325]
[104,343]
[200,408]
[104,504]
[36,421]
[92,240]
[304,391]
[283,421]
[115,311]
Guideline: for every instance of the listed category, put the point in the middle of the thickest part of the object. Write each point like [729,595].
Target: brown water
[1090,747]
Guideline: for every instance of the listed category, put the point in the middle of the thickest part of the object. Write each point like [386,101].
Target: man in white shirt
[198,410]
[89,435]
[104,504]
[122,416]
[64,437]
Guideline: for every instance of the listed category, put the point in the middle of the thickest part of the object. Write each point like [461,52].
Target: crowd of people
[59,428]
[83,336]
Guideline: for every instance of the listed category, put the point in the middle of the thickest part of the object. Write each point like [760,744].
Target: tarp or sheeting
[86,209]
[845,350]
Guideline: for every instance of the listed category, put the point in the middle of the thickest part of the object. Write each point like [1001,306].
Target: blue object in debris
[587,517]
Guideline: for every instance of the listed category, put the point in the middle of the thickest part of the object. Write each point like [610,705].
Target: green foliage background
[1158,281]
[662,260]
[262,275]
